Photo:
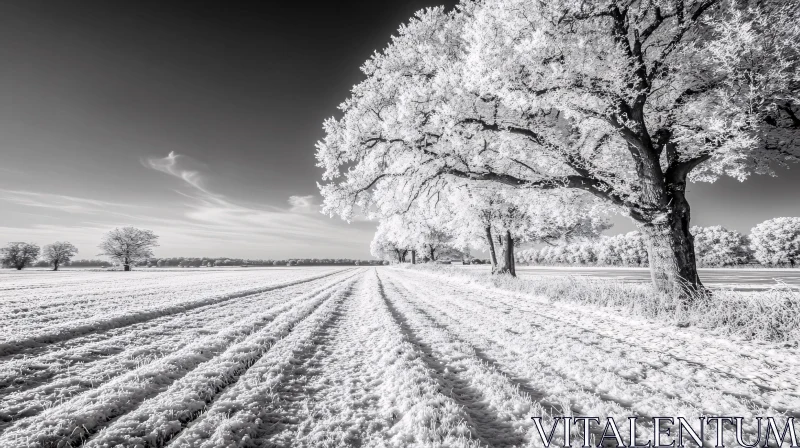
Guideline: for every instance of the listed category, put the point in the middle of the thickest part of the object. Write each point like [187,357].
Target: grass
[772,315]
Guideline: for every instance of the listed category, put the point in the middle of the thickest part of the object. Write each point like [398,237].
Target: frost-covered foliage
[391,242]
[619,250]
[19,255]
[59,253]
[129,245]
[567,103]
[464,217]
[777,241]
[717,246]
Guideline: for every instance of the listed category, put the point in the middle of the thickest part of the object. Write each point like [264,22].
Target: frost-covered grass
[771,315]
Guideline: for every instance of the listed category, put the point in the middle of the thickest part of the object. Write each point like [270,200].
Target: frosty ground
[346,357]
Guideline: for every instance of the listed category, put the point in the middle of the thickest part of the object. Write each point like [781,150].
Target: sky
[199,123]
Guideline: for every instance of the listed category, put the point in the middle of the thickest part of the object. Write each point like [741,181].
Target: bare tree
[19,255]
[129,245]
[59,253]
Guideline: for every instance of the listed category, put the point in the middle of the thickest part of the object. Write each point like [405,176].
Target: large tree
[59,253]
[626,100]
[777,241]
[19,255]
[129,245]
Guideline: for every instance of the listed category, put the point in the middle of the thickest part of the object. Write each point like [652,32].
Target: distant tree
[718,246]
[59,253]
[129,245]
[19,255]
[777,241]
[90,264]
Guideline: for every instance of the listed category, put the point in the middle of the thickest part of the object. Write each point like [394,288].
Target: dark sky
[92,90]
[95,95]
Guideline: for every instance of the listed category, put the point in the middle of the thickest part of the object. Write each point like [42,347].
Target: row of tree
[130,247]
[532,102]
[125,246]
[493,219]
[775,242]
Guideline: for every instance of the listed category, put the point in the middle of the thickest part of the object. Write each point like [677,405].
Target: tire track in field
[239,416]
[82,352]
[78,354]
[28,404]
[542,370]
[37,311]
[157,422]
[54,300]
[293,396]
[336,402]
[489,427]
[75,421]
[19,346]
[537,394]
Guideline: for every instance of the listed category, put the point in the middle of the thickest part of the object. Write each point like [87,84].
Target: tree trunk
[507,265]
[670,245]
[19,268]
[510,263]
[492,254]
[501,267]
[55,266]
[670,252]
[127,267]
[432,251]
[413,256]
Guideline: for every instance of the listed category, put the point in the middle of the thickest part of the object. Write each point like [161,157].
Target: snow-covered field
[345,357]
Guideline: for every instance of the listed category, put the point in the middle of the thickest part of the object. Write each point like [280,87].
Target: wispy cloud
[211,213]
[69,204]
[169,165]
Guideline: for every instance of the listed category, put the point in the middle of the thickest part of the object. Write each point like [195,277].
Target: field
[313,357]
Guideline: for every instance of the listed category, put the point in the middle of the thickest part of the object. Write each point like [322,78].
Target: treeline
[128,247]
[194,262]
[187,262]
[775,242]
[76,264]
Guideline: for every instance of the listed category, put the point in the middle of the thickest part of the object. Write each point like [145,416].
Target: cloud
[302,204]
[68,204]
[214,215]
[169,165]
